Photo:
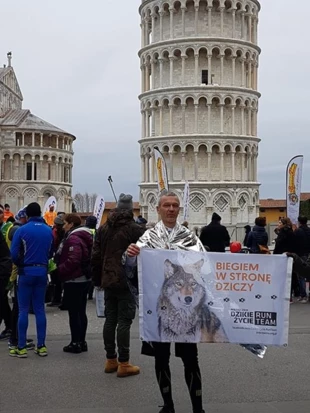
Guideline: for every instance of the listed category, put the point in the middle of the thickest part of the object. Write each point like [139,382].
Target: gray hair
[166,193]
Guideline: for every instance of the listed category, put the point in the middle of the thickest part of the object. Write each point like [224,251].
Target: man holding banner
[169,234]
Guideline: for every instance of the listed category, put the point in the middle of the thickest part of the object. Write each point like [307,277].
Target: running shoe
[41,351]
[21,353]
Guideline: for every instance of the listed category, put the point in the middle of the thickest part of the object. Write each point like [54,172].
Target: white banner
[98,209]
[100,303]
[293,187]
[186,202]
[162,178]
[214,298]
[50,202]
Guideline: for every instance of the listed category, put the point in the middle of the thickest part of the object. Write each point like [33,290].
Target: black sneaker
[73,348]
[167,409]
[54,304]
[5,334]
[84,346]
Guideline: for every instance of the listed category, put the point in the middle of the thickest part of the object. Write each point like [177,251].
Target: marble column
[11,169]
[196,117]
[171,166]
[183,9]
[222,166]
[196,165]
[171,119]
[233,119]
[161,13]
[233,177]
[210,20]
[171,10]
[196,68]
[233,24]
[160,120]
[209,165]
[183,166]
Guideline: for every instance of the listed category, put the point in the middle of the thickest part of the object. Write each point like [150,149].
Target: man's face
[169,209]
[7,208]
[52,208]
[1,216]
[23,220]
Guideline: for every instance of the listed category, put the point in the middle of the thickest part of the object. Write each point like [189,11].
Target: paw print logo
[210,303]
[163,308]
[149,312]
[258,296]
[226,300]
[274,297]
[241,300]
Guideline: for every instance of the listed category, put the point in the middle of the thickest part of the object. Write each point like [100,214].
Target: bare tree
[84,202]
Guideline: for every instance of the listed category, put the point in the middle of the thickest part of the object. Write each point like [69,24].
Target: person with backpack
[73,263]
[257,240]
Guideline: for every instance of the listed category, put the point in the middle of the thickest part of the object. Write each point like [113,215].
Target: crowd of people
[78,258]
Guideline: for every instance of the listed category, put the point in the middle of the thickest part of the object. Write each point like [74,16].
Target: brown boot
[111,366]
[126,369]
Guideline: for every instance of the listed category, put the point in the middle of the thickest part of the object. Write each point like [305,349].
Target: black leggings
[189,355]
[75,296]
[5,309]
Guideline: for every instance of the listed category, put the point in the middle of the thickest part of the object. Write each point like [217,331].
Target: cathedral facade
[36,157]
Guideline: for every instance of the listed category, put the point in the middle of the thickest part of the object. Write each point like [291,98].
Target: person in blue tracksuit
[31,249]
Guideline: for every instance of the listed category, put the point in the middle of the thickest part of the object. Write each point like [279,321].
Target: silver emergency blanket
[179,238]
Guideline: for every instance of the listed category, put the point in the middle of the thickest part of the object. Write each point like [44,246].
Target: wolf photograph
[183,313]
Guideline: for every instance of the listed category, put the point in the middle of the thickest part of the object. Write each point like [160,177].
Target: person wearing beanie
[125,202]
[91,222]
[215,236]
[31,250]
[111,241]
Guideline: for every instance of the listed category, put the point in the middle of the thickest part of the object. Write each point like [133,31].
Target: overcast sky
[77,66]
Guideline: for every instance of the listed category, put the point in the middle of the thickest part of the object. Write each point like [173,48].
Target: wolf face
[181,288]
[183,315]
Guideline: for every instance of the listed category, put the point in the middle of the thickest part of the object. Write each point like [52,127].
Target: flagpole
[111,182]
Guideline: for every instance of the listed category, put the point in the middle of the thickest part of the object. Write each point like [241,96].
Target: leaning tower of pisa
[199,105]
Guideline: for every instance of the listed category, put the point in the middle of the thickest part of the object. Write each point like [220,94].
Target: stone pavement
[234,380]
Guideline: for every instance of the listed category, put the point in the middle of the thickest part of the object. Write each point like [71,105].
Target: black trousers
[5,309]
[14,318]
[120,310]
[188,352]
[75,297]
[57,284]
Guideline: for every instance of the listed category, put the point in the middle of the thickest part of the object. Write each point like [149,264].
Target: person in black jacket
[285,241]
[302,235]
[5,272]
[247,233]
[258,236]
[215,236]
[302,238]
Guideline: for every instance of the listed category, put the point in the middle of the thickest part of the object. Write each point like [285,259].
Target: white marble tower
[199,105]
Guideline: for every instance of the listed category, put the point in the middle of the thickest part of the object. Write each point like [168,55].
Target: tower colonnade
[199,105]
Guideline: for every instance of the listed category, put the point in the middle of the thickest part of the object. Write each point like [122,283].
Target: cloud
[78,68]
